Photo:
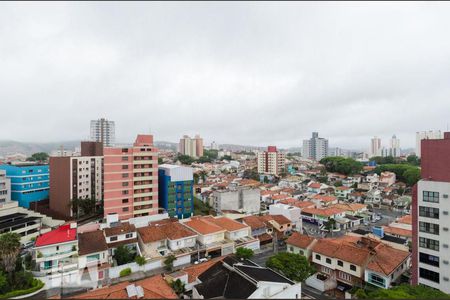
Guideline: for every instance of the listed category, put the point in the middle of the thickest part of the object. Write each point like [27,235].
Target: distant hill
[11,147]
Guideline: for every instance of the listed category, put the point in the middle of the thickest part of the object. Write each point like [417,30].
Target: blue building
[176,190]
[29,182]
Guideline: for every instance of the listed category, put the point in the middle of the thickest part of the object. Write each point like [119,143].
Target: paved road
[312,293]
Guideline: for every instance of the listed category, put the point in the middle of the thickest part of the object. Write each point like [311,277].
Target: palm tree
[9,250]
[178,287]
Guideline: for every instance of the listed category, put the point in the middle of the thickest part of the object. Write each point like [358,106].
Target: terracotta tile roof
[154,287]
[228,224]
[354,207]
[91,242]
[121,228]
[62,234]
[170,230]
[122,243]
[325,198]
[327,212]
[299,240]
[342,188]
[315,185]
[203,226]
[279,197]
[387,260]
[280,219]
[254,222]
[196,270]
[265,237]
[405,220]
[397,231]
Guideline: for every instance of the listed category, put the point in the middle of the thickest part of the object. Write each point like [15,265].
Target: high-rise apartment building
[103,131]
[176,190]
[76,177]
[430,214]
[29,182]
[315,148]
[131,179]
[394,149]
[5,187]
[271,162]
[191,146]
[375,147]
[425,135]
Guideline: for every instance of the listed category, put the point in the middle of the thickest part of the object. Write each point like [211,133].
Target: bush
[168,262]
[125,272]
[294,266]
[123,255]
[244,253]
[140,260]
[36,285]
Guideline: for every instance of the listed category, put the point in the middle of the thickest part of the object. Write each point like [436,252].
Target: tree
[294,266]
[140,260]
[204,159]
[123,255]
[160,161]
[251,174]
[196,178]
[338,183]
[3,283]
[168,262]
[404,172]
[178,287]
[211,154]
[330,225]
[227,157]
[404,291]
[347,166]
[9,250]
[266,179]
[185,159]
[244,253]
[39,156]
[413,160]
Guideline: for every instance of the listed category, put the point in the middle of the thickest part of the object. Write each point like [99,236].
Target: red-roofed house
[57,249]
[342,192]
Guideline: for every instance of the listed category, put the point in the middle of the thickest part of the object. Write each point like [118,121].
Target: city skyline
[256,73]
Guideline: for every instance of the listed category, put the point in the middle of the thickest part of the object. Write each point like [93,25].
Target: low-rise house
[321,215]
[260,229]
[351,261]
[300,244]
[237,232]
[315,187]
[232,279]
[324,200]
[342,192]
[121,234]
[279,223]
[57,250]
[388,178]
[93,259]
[293,213]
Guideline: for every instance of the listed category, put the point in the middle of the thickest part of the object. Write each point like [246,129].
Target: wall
[114,272]
[60,174]
[435,161]
[182,243]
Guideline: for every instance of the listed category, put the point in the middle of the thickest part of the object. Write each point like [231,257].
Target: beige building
[191,146]
[271,162]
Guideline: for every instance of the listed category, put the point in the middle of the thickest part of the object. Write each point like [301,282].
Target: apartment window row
[429,212]
[429,259]
[429,228]
[430,197]
[429,275]
[429,244]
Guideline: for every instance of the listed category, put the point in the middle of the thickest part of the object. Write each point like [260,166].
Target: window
[429,227]
[340,263]
[430,197]
[124,158]
[124,209]
[124,167]
[291,249]
[429,244]
[113,238]
[445,213]
[129,235]
[57,248]
[429,259]
[328,261]
[124,192]
[429,212]
[301,252]
[125,175]
[345,276]
[317,256]
[353,267]
[124,183]
[377,280]
[429,275]
[124,201]
[445,196]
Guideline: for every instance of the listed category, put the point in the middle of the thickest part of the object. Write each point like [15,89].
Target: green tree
[140,260]
[39,156]
[196,178]
[406,291]
[168,262]
[3,283]
[251,174]
[204,159]
[123,255]
[413,160]
[404,172]
[160,161]
[245,253]
[9,250]
[294,266]
[227,157]
[361,294]
[338,183]
[266,179]
[185,159]
[347,166]
[178,287]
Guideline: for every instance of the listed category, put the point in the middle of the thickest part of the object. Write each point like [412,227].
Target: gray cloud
[248,73]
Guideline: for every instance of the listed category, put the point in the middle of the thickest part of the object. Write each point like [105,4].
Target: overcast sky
[244,73]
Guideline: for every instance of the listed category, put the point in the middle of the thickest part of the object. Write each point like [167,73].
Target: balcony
[56,255]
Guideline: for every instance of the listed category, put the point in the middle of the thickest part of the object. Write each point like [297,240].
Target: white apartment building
[433,234]
[315,148]
[394,149]
[375,147]
[422,135]
[242,199]
[271,162]
[103,131]
[5,187]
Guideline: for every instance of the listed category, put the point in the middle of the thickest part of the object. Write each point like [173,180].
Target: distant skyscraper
[103,131]
[191,146]
[423,135]
[271,162]
[375,147]
[214,146]
[315,148]
[394,150]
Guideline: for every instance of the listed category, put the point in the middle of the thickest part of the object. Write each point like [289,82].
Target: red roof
[315,185]
[62,234]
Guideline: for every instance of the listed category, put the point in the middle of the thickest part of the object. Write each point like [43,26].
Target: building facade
[241,199]
[430,210]
[375,147]
[29,182]
[425,135]
[394,149]
[191,146]
[5,187]
[315,148]
[76,177]
[131,179]
[103,131]
[271,162]
[176,190]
